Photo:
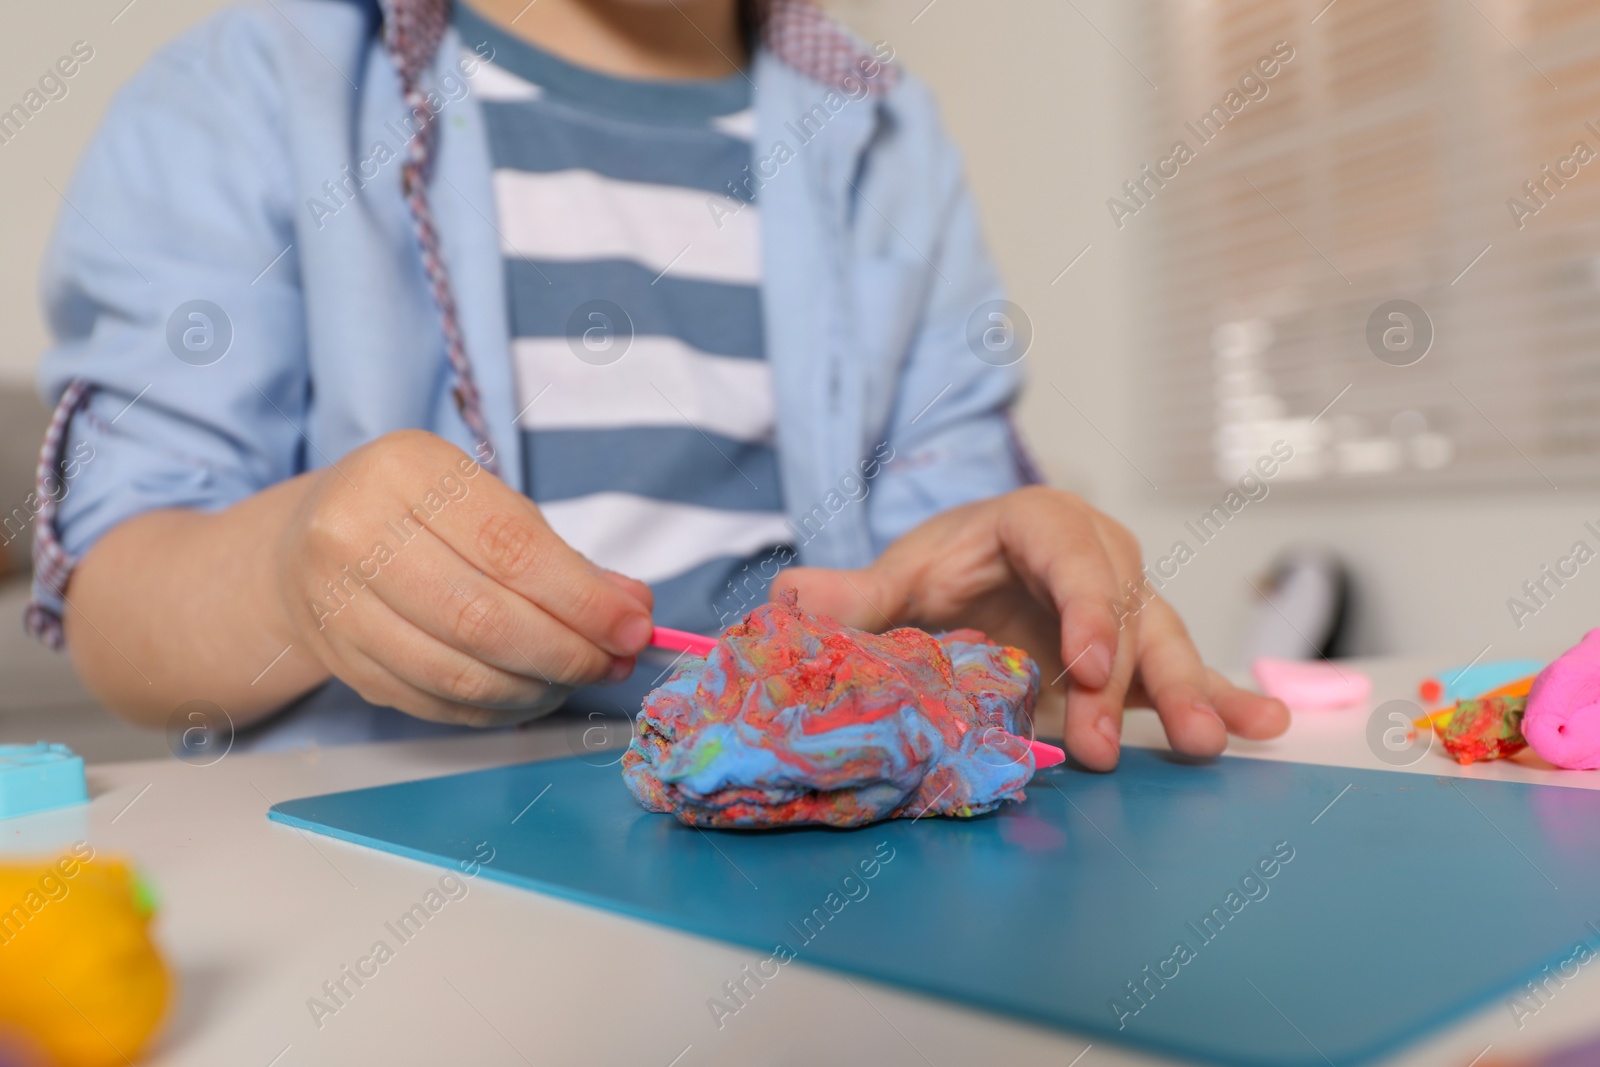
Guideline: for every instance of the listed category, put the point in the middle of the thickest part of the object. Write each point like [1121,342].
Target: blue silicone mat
[1396,901]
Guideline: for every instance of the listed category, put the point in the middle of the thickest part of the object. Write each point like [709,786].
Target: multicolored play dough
[795,719]
[1485,729]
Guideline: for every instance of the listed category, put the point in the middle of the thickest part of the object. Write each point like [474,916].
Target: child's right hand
[427,584]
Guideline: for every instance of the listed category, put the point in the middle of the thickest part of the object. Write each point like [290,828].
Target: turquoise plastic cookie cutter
[39,777]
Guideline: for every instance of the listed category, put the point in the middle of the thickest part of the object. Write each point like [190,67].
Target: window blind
[1435,160]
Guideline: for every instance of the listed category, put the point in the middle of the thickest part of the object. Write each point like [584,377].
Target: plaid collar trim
[808,40]
[798,32]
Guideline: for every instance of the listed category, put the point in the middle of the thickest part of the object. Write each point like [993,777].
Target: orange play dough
[81,981]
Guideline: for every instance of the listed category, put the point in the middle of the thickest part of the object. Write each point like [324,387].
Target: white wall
[1035,95]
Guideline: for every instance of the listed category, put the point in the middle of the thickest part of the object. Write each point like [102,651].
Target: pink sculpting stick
[683,641]
[1046,755]
[696,645]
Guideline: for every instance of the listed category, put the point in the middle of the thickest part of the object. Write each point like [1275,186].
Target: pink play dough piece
[1562,723]
[1312,685]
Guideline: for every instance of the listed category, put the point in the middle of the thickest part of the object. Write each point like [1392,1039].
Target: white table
[257,916]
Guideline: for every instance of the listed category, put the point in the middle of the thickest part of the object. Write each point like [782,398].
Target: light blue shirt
[253,164]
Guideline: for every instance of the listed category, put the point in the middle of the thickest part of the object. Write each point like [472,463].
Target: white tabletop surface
[256,916]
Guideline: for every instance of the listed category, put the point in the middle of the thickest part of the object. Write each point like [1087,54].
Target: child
[430,352]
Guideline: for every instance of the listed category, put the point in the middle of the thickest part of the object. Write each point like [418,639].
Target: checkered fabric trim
[412,31]
[807,39]
[51,564]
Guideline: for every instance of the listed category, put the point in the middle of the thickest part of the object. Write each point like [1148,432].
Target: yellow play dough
[81,981]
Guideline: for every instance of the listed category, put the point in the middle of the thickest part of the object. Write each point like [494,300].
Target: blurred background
[1435,160]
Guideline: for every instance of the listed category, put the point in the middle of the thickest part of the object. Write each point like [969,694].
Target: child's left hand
[1040,569]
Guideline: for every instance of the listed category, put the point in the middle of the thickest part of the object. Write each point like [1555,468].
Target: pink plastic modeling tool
[683,641]
[1046,755]
[696,645]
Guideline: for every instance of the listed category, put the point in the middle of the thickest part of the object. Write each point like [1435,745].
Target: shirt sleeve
[950,432]
[171,287]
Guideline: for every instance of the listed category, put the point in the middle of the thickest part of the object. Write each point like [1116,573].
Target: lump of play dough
[1562,723]
[1311,685]
[1486,729]
[82,982]
[795,719]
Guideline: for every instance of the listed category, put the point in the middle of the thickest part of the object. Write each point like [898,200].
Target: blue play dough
[1469,683]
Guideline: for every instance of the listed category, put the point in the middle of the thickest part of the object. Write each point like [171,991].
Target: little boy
[432,351]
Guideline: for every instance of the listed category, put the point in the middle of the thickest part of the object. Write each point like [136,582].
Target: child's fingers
[633,587]
[503,535]
[1172,675]
[1058,551]
[1093,727]
[371,629]
[377,684]
[1245,713]
[442,595]
[1178,684]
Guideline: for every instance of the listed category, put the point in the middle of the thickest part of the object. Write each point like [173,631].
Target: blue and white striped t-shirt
[633,272]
